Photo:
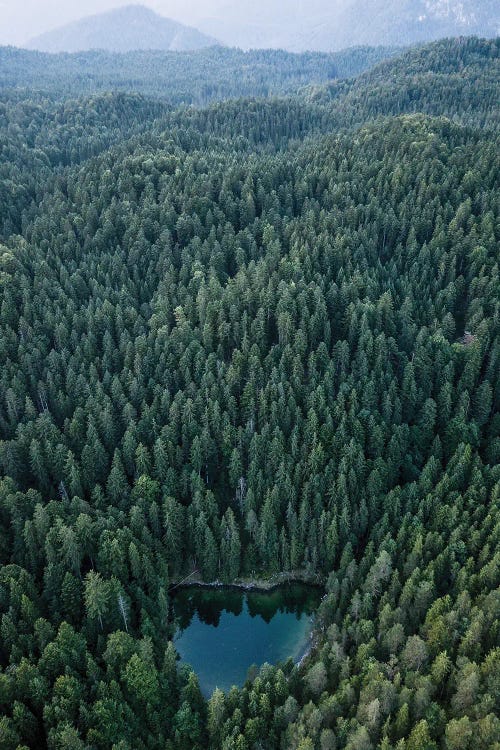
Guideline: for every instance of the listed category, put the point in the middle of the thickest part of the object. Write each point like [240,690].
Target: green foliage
[193,77]
[239,341]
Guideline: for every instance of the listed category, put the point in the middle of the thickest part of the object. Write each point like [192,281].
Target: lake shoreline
[264,586]
[258,625]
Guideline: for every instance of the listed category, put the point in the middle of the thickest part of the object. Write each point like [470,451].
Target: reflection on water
[223,632]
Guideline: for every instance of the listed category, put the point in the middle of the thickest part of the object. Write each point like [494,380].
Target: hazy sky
[22,19]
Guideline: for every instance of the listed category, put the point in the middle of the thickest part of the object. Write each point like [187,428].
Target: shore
[264,585]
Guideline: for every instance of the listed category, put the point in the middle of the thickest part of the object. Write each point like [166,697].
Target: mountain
[294,25]
[401,22]
[324,25]
[133,27]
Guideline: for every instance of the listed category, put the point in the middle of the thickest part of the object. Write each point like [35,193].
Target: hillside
[130,28]
[323,25]
[459,79]
[250,339]
[197,77]
[401,22]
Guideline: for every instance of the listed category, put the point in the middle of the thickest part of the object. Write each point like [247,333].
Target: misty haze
[289,24]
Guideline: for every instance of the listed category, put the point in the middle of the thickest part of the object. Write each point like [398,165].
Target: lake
[222,632]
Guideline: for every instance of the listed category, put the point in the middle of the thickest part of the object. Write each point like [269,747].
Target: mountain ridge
[323,26]
[133,27]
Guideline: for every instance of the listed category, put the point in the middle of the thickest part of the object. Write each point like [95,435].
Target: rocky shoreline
[257,585]
[264,586]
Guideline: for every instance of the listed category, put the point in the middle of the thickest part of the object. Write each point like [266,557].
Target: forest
[197,77]
[252,336]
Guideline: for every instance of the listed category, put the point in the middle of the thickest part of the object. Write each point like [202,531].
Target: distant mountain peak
[299,25]
[131,27]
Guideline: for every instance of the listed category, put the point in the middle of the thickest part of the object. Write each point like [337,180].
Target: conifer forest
[250,328]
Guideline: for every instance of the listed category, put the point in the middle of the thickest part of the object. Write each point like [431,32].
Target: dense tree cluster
[226,350]
[42,134]
[183,78]
[456,78]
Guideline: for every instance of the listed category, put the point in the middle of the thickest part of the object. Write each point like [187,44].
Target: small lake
[223,632]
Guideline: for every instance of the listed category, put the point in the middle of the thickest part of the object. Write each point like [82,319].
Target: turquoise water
[223,632]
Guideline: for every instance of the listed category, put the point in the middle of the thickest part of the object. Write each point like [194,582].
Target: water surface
[223,632]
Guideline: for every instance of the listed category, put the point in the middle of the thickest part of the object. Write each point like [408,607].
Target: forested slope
[182,78]
[458,78]
[227,350]
[41,134]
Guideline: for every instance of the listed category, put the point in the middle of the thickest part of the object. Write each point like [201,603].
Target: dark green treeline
[241,341]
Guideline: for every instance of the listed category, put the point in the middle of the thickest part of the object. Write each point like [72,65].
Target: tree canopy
[257,336]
